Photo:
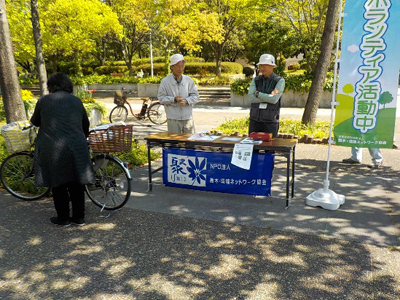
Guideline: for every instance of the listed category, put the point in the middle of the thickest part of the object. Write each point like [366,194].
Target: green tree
[324,59]
[385,98]
[183,25]
[269,37]
[37,35]
[307,19]
[136,17]
[233,16]
[72,27]
[19,14]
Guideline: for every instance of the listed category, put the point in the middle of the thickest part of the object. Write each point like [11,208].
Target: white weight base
[325,198]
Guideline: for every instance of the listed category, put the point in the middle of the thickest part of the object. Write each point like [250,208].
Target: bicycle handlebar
[27,127]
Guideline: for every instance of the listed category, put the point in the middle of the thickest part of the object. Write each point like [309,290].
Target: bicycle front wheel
[118,113]
[112,187]
[18,177]
[156,114]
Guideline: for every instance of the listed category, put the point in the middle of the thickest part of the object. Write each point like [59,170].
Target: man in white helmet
[265,94]
[178,93]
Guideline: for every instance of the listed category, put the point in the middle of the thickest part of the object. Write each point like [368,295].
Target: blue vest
[271,113]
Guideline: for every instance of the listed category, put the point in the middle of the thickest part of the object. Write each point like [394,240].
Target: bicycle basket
[17,139]
[112,139]
[119,98]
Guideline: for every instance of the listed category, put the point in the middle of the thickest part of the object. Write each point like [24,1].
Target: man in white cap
[265,93]
[178,93]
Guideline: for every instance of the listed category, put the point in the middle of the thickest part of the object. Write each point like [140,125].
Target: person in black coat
[62,160]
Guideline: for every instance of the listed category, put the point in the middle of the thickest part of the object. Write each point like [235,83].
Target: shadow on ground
[139,255]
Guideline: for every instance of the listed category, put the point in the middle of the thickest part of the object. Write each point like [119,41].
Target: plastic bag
[17,139]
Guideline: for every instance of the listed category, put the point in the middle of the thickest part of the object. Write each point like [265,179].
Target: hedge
[88,67]
[195,68]
[157,59]
[296,83]
[158,69]
[107,70]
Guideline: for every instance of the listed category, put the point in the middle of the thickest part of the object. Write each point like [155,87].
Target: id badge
[263,105]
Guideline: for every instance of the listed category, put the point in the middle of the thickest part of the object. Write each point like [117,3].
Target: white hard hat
[267,59]
[174,59]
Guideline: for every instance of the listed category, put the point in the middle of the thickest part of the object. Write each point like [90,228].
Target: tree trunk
[11,93]
[104,52]
[78,63]
[54,63]
[218,58]
[314,97]
[37,35]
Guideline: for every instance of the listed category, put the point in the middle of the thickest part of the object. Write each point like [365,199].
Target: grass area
[287,126]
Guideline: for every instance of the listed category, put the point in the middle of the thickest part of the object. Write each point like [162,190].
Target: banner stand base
[325,198]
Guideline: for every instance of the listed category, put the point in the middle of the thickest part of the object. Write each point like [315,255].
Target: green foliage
[84,94]
[191,68]
[212,80]
[80,80]
[318,130]
[287,126]
[158,59]
[158,69]
[155,79]
[95,105]
[69,67]
[72,28]
[28,99]
[107,70]
[137,156]
[3,149]
[240,125]
[27,80]
[241,86]
[261,37]
[29,105]
[115,63]
[209,68]
[2,112]
[306,24]
[297,83]
[21,33]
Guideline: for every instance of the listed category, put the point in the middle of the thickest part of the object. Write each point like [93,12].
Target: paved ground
[182,244]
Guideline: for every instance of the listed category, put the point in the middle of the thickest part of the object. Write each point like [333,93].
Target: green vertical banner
[369,74]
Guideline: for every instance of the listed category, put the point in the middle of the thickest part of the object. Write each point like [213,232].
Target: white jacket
[169,88]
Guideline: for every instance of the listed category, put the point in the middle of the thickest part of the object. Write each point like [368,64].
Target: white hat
[174,59]
[267,59]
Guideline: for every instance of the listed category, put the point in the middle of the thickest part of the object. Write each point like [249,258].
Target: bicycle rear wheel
[156,113]
[118,113]
[18,177]
[112,188]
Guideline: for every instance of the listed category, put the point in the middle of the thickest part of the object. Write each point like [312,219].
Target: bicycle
[112,187]
[155,112]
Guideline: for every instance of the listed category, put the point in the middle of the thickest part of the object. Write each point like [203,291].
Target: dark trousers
[65,193]
[271,127]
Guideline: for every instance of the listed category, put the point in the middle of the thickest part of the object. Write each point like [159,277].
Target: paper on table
[106,126]
[241,156]
[232,139]
[202,137]
[249,141]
